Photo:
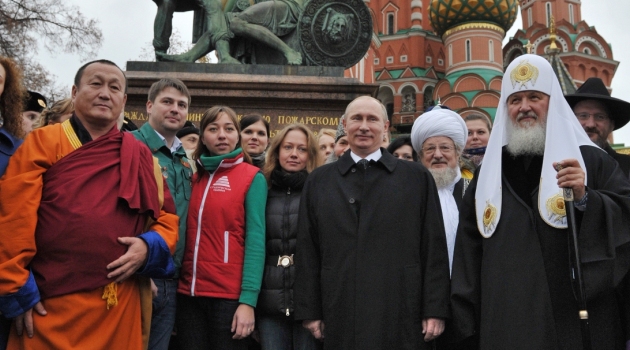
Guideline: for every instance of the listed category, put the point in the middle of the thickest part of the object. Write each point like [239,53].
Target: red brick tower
[582,50]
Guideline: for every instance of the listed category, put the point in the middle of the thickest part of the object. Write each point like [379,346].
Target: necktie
[364,163]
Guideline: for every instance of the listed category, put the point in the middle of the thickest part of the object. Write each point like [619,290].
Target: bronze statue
[263,22]
[212,10]
[307,32]
[337,27]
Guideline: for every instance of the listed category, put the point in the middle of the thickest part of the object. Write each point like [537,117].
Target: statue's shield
[335,32]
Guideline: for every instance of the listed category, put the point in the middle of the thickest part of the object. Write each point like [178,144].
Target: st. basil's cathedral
[451,51]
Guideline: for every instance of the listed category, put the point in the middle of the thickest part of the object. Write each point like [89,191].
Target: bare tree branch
[26,25]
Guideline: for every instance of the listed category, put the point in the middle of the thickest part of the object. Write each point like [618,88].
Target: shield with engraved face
[335,32]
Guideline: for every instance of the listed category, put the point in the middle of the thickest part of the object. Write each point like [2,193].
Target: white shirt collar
[376,155]
[176,142]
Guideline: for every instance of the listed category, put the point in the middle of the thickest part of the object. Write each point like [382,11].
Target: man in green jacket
[167,107]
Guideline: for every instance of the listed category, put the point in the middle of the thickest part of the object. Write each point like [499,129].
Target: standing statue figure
[264,22]
[217,34]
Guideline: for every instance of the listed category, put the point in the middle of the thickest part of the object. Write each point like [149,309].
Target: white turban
[564,136]
[439,122]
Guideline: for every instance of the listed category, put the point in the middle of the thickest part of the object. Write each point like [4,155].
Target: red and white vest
[215,233]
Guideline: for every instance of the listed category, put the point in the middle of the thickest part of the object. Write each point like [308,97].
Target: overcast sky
[127,27]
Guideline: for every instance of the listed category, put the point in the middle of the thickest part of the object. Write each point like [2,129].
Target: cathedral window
[376,61]
[530,21]
[408,100]
[548,12]
[403,58]
[450,54]
[390,23]
[571,18]
[390,59]
[491,50]
[428,97]
[429,59]
[468,51]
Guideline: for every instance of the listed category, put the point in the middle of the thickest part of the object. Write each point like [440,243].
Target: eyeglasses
[599,117]
[444,149]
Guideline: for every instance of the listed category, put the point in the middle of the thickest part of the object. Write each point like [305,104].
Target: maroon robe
[107,189]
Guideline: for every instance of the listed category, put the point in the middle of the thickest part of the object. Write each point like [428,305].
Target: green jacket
[178,173]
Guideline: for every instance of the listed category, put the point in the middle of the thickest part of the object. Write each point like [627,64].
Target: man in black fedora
[600,114]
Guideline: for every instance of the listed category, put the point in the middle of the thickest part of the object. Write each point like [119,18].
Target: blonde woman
[325,144]
[291,157]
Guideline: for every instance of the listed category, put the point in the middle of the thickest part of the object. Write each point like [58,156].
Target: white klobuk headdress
[564,136]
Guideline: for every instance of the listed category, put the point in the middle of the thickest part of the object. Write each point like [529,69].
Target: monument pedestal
[311,95]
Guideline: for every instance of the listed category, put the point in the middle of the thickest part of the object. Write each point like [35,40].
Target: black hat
[36,102]
[594,89]
[189,128]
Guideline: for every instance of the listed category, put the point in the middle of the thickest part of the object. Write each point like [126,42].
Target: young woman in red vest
[225,240]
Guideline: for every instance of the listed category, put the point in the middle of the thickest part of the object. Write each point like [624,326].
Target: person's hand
[571,176]
[25,320]
[316,327]
[131,261]
[243,322]
[154,289]
[432,328]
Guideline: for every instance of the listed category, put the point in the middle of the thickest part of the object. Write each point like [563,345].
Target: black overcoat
[514,289]
[622,159]
[371,255]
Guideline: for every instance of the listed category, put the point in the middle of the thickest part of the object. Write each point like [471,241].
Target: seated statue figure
[218,35]
[264,22]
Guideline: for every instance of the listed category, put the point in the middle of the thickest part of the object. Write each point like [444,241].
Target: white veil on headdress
[564,136]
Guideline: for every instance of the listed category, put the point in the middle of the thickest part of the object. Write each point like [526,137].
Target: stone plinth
[315,96]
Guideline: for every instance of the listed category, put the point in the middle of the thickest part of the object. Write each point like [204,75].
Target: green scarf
[211,163]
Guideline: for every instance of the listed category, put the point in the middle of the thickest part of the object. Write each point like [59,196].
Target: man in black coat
[514,281]
[371,261]
[600,114]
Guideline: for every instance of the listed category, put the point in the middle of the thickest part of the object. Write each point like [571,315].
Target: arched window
[548,12]
[571,18]
[491,50]
[530,21]
[587,51]
[408,99]
[390,23]
[428,97]
[468,51]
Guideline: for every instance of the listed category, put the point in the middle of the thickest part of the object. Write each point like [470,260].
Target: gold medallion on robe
[524,73]
[556,209]
[489,217]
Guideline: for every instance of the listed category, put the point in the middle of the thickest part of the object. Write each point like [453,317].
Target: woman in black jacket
[291,157]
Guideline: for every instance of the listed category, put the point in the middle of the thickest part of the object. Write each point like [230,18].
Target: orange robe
[77,320]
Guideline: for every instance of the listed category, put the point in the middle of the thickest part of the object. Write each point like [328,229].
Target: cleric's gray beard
[444,176]
[529,140]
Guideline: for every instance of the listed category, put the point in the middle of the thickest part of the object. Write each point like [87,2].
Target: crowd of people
[465,234]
